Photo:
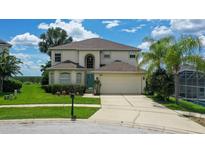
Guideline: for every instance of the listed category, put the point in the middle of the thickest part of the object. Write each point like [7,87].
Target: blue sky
[24,34]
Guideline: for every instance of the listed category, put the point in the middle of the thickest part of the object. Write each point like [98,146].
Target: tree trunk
[1,84]
[176,86]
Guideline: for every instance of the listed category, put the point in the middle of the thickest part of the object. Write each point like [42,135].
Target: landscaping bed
[45,112]
[34,94]
[183,105]
[200,121]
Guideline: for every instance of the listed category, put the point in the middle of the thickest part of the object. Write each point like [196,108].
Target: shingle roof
[95,44]
[66,65]
[119,66]
[4,43]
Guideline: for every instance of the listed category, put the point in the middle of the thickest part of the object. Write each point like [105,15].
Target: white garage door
[121,84]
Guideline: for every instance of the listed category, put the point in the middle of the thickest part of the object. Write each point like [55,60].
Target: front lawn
[45,112]
[183,105]
[34,94]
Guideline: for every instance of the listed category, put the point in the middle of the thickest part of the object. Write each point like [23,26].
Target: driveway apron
[140,111]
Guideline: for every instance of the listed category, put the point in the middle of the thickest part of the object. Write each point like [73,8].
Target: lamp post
[72,95]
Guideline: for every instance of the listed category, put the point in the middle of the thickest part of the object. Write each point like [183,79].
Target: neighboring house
[113,63]
[4,45]
[192,83]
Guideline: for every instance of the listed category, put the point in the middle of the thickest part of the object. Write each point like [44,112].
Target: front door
[90,80]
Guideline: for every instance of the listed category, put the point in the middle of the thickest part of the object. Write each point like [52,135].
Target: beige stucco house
[113,63]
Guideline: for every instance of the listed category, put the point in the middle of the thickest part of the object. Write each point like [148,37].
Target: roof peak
[4,43]
[95,44]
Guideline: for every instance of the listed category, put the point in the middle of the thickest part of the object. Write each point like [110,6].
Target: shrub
[161,84]
[45,78]
[78,89]
[148,90]
[11,85]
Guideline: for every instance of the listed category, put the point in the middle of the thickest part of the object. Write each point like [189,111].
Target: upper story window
[106,54]
[90,61]
[57,57]
[65,78]
[132,54]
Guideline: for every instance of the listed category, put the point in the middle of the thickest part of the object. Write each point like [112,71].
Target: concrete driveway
[140,111]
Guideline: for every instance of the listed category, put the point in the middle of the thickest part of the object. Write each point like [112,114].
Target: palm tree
[154,58]
[9,66]
[178,54]
[53,37]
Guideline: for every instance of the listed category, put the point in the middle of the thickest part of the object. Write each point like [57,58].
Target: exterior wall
[121,83]
[65,55]
[73,76]
[83,54]
[79,57]
[118,55]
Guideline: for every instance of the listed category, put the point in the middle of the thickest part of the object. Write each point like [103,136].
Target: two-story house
[113,63]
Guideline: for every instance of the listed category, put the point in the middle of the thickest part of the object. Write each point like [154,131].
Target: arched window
[89,61]
[65,78]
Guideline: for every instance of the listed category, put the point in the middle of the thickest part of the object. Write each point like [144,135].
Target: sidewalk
[49,105]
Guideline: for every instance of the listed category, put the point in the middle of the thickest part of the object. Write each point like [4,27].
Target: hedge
[78,89]
[11,85]
[33,79]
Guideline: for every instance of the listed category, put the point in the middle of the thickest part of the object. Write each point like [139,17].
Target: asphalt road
[67,127]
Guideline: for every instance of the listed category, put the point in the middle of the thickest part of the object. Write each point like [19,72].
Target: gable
[95,44]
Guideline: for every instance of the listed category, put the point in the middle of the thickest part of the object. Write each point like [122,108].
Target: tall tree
[178,54]
[53,37]
[154,58]
[9,66]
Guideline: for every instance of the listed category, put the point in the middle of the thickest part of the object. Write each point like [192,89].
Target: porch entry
[89,80]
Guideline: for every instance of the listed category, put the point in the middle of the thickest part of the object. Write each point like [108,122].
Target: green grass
[45,112]
[34,94]
[183,105]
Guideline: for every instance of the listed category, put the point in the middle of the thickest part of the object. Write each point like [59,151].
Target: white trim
[117,72]
[78,69]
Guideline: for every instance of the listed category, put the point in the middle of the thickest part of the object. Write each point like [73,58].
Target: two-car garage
[120,78]
[121,83]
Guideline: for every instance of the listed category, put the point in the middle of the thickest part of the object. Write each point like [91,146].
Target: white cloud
[202,39]
[161,31]
[133,29]
[31,62]
[25,39]
[21,56]
[144,45]
[188,26]
[19,48]
[73,28]
[111,23]
[43,26]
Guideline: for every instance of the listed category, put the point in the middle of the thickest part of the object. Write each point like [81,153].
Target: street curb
[49,105]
